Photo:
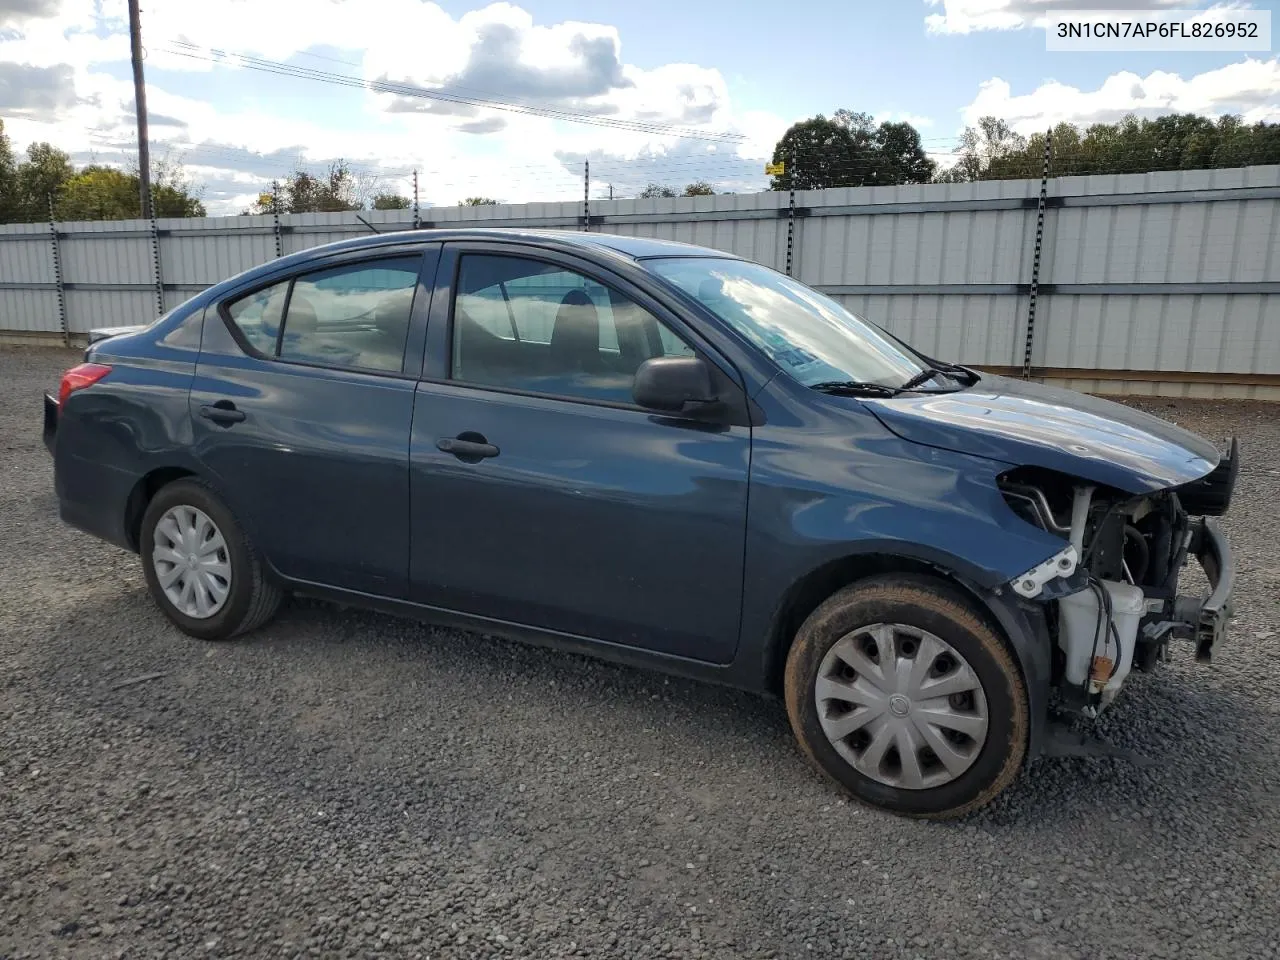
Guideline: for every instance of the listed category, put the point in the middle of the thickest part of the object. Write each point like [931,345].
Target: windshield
[809,335]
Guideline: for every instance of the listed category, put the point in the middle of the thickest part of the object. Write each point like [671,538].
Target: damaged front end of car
[1111,594]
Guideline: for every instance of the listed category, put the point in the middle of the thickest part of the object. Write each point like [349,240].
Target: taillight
[80,376]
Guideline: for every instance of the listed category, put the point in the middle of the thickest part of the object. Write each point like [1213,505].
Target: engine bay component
[1098,638]
[1061,564]
[1112,592]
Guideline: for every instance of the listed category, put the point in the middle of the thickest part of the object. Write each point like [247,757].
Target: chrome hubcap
[191,562]
[901,705]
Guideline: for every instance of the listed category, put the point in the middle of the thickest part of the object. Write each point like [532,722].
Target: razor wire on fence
[1169,277]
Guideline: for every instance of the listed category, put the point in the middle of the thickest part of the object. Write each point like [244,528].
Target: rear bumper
[50,421]
[92,496]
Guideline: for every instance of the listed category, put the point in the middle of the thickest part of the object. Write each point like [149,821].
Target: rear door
[541,494]
[302,405]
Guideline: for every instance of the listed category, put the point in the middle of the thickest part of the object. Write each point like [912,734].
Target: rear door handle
[223,412]
[467,449]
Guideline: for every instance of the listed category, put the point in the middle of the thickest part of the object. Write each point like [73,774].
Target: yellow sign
[775,169]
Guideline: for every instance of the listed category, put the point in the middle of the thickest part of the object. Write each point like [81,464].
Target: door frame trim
[415,335]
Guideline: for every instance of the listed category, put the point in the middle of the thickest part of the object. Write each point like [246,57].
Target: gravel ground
[347,784]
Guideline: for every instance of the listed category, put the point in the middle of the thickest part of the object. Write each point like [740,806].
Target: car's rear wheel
[200,566]
[902,693]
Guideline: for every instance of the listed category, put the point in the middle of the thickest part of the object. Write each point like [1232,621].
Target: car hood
[1027,424]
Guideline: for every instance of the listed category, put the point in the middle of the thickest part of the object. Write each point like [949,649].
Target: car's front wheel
[901,692]
[200,566]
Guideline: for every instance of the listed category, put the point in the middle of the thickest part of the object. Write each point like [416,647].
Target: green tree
[990,142]
[478,202]
[95,192]
[172,194]
[900,154]
[105,193]
[1240,146]
[1172,142]
[333,192]
[818,153]
[390,201]
[861,126]
[850,150]
[656,190]
[42,175]
[304,192]
[8,179]
[99,193]
[699,188]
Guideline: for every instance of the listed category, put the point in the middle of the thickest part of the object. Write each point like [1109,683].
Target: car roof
[635,248]
[638,248]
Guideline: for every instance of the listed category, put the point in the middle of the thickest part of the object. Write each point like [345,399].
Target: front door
[301,410]
[541,494]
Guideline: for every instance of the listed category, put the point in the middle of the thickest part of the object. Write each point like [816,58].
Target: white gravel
[345,784]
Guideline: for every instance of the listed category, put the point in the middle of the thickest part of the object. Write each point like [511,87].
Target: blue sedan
[664,455]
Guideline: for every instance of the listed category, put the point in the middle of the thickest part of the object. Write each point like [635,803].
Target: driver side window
[532,326]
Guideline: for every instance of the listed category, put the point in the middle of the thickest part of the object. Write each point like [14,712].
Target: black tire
[252,599]
[934,606]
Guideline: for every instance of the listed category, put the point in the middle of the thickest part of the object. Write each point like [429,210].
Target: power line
[194,51]
[561,180]
[718,168]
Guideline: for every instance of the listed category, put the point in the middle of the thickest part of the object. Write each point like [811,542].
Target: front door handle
[223,412]
[468,447]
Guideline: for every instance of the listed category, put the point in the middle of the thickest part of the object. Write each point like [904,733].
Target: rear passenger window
[258,316]
[354,316]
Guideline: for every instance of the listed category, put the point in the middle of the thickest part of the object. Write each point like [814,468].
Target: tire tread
[940,598]
[265,596]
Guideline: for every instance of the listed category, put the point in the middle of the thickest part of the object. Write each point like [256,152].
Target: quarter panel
[114,433]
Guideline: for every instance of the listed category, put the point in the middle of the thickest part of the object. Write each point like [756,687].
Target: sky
[661,91]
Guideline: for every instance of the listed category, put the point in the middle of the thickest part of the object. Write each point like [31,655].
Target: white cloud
[498,52]
[1250,87]
[918,121]
[968,16]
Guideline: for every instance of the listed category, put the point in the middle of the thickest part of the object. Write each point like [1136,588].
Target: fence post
[791,211]
[416,220]
[1035,261]
[275,216]
[57,275]
[155,263]
[586,195]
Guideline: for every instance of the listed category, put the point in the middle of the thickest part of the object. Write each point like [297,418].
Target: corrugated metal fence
[1163,283]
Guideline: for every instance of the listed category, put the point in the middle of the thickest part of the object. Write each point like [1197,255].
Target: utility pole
[140,105]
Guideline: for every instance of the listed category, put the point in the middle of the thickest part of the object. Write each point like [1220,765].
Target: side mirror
[673,384]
